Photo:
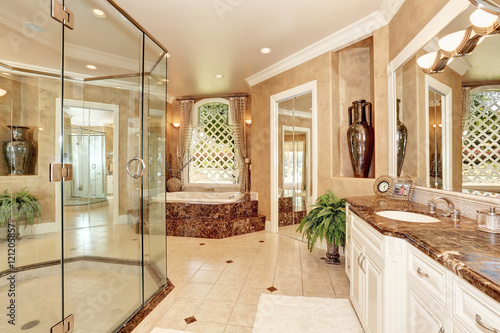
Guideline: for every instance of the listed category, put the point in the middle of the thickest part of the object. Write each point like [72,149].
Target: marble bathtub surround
[470,254]
[286,215]
[206,220]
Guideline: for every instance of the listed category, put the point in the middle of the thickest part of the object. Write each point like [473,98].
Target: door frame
[275,135]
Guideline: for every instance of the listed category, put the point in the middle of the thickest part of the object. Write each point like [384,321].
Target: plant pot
[332,254]
[4,231]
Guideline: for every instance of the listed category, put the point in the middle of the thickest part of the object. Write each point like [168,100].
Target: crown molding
[349,35]
[459,64]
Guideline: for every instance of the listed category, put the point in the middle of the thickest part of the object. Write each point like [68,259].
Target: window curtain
[238,108]
[186,131]
[465,105]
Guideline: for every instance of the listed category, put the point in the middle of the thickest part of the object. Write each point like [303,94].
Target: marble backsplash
[468,204]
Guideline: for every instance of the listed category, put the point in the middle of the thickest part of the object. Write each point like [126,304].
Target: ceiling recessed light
[34,27]
[91,67]
[265,50]
[219,76]
[3,92]
[98,13]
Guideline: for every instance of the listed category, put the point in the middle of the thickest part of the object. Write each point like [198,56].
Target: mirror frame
[446,15]
[275,136]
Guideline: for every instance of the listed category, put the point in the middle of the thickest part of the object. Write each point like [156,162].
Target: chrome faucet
[452,213]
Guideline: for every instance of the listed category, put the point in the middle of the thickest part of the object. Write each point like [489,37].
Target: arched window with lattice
[213,147]
[481,141]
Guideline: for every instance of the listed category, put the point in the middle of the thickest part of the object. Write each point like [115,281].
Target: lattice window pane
[213,147]
[480,144]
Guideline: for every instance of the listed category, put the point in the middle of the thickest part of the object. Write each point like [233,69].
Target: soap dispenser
[488,221]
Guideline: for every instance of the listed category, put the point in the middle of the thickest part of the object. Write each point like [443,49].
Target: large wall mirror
[293,157]
[451,118]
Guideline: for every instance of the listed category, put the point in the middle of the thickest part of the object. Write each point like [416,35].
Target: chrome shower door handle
[140,169]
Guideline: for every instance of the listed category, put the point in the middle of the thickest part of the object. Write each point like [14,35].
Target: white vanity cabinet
[367,273]
[397,288]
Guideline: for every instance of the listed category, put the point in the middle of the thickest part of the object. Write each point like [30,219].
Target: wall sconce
[3,92]
[434,62]
[248,122]
[176,125]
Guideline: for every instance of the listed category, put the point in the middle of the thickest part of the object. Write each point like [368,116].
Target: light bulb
[482,19]
[452,41]
[427,60]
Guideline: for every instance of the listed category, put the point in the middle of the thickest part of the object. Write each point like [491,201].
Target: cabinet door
[373,295]
[424,316]
[357,278]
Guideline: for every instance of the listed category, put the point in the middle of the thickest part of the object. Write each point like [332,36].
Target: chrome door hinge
[60,172]
[65,326]
[62,14]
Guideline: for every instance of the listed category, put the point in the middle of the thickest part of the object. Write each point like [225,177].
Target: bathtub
[204,197]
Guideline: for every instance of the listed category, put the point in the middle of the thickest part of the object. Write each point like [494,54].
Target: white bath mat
[278,313]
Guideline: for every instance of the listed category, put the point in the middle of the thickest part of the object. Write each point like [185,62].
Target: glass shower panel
[30,45]
[102,108]
[154,182]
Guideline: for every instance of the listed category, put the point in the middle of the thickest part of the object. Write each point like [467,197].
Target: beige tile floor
[223,296]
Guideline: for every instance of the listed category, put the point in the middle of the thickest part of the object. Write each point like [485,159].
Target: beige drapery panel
[238,109]
[186,131]
[465,105]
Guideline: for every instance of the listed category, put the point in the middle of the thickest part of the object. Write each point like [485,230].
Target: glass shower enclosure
[82,101]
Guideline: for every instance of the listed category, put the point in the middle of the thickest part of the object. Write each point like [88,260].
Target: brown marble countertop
[470,254]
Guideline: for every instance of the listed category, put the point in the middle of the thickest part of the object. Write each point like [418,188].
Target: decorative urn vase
[18,152]
[174,184]
[401,138]
[360,137]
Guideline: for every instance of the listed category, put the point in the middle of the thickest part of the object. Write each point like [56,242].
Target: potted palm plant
[326,220]
[18,207]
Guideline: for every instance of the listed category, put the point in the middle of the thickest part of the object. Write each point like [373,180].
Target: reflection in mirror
[452,117]
[294,156]
[435,147]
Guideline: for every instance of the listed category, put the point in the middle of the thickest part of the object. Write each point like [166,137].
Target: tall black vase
[18,152]
[360,137]
[401,139]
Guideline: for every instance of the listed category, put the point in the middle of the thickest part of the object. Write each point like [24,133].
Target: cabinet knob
[479,321]
[419,271]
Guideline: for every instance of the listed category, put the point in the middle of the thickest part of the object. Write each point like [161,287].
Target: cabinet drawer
[468,303]
[429,276]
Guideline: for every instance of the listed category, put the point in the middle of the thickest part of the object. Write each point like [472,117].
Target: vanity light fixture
[219,76]
[265,50]
[249,122]
[434,62]
[459,43]
[484,23]
[98,13]
[3,92]
[92,67]
[176,125]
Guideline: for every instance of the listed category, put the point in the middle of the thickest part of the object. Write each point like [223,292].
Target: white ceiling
[208,37]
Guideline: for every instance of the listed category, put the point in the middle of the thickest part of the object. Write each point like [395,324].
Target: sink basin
[407,217]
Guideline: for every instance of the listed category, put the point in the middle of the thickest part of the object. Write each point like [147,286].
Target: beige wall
[342,77]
